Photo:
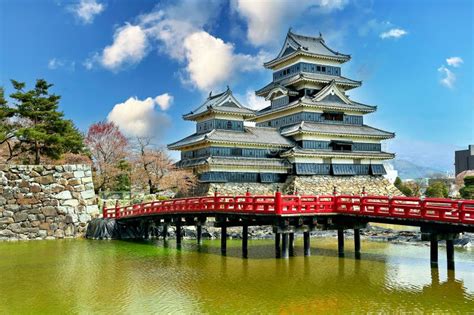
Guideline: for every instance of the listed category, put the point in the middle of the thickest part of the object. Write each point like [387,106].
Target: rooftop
[336,129]
[300,44]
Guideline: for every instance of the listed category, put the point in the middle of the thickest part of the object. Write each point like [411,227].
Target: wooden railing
[433,209]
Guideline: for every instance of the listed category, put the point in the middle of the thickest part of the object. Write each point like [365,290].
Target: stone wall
[308,185]
[45,201]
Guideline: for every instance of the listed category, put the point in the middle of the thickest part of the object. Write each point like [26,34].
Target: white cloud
[55,64]
[86,10]
[449,77]
[454,61]
[129,47]
[266,21]
[255,102]
[139,118]
[164,101]
[393,33]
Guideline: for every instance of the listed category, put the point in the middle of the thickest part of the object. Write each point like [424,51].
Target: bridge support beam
[245,240]
[357,243]
[291,244]
[433,250]
[284,245]
[164,233]
[199,234]
[277,245]
[450,253]
[224,240]
[340,242]
[306,243]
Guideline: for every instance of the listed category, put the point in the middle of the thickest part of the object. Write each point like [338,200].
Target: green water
[85,276]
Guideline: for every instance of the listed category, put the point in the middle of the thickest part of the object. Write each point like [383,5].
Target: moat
[87,276]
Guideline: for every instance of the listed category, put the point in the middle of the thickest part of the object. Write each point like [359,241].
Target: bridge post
[245,235]
[340,242]
[178,231]
[224,239]
[306,242]
[164,233]
[357,243]
[284,245]
[277,245]
[104,210]
[117,209]
[199,233]
[291,243]
[434,249]
[450,253]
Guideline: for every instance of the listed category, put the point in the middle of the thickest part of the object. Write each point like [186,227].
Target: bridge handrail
[432,209]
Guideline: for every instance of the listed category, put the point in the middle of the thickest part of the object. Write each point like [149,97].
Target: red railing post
[104,210]
[216,200]
[248,200]
[278,205]
[117,209]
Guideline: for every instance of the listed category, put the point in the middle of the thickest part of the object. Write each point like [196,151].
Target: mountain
[410,170]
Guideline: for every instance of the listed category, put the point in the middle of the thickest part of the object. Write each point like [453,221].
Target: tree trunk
[37,153]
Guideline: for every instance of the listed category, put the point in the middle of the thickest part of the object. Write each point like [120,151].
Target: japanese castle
[311,126]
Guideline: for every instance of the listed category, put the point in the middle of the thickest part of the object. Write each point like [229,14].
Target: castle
[310,138]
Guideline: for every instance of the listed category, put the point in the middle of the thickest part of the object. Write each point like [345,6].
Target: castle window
[323,69]
[318,68]
[333,116]
[229,124]
[236,152]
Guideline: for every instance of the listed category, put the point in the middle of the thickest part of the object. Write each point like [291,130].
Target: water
[85,276]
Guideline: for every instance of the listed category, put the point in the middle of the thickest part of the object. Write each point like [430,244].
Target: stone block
[68,175]
[79,174]
[87,180]
[7,213]
[49,211]
[6,233]
[45,180]
[88,194]
[84,218]
[59,233]
[70,202]
[32,217]
[66,194]
[35,187]
[74,182]
[71,218]
[20,216]
[92,209]
[42,233]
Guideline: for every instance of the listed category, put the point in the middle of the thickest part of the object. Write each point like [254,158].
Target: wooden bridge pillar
[199,234]
[164,233]
[277,245]
[450,253]
[306,243]
[291,244]
[178,231]
[224,240]
[245,240]
[357,243]
[340,242]
[433,250]
[284,245]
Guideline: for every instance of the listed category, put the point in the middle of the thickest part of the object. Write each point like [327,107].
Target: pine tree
[45,131]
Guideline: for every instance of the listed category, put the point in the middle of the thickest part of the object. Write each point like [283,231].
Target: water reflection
[136,277]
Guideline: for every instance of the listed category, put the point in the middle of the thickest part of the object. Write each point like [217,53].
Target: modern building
[310,128]
[464,160]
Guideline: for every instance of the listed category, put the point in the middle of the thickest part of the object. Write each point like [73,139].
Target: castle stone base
[306,185]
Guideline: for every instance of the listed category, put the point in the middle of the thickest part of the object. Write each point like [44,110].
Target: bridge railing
[433,209]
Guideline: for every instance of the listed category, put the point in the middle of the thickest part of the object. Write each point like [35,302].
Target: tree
[153,169]
[403,187]
[7,128]
[414,187]
[467,192]
[108,148]
[43,131]
[437,189]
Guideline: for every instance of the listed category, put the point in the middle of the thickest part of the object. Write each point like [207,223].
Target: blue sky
[143,64]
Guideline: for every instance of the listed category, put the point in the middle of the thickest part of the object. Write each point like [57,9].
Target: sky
[142,64]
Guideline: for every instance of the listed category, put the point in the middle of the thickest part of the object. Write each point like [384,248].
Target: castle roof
[251,135]
[224,102]
[336,129]
[236,162]
[306,45]
[298,151]
[310,77]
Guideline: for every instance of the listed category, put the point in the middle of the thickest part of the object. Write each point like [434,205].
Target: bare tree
[108,147]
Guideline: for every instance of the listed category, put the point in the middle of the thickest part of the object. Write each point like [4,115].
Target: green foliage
[122,180]
[437,189]
[44,132]
[467,192]
[402,187]
[6,113]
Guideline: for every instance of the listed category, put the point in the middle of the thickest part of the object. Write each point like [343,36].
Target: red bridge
[439,219]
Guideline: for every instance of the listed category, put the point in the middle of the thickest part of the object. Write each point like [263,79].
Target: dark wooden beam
[245,240]
[340,242]
[306,244]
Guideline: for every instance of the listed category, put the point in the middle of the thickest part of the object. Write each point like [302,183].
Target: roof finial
[289,30]
[210,94]
[320,35]
[228,88]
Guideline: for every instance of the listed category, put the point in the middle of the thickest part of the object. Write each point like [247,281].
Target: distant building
[392,173]
[464,160]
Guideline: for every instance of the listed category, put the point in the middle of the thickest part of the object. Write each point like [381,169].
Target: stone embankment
[308,185]
[45,201]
